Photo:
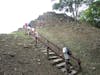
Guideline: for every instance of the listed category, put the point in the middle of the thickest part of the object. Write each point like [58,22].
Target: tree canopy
[92,14]
[68,6]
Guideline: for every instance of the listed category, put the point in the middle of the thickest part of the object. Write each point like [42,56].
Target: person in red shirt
[25,27]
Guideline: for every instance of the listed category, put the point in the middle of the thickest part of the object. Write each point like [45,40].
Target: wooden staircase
[53,54]
[58,62]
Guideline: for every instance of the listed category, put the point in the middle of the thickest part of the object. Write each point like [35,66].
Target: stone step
[44,51]
[71,67]
[28,73]
[53,57]
[43,48]
[1,73]
[12,73]
[60,65]
[50,53]
[57,61]
[63,69]
[73,72]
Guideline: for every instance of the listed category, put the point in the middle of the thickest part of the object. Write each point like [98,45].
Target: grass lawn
[82,39]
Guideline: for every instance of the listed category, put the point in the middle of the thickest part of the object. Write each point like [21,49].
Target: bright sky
[14,13]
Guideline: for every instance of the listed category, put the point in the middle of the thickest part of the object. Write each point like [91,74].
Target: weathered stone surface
[19,44]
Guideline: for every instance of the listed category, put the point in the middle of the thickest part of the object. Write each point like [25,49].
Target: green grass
[83,40]
[23,35]
[19,33]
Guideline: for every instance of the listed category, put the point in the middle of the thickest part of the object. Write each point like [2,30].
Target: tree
[68,6]
[92,14]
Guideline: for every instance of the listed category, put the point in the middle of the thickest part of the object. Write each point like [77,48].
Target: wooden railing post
[49,47]
[36,41]
[47,43]
[78,61]
[48,52]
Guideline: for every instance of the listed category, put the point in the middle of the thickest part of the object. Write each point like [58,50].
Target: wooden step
[60,65]
[73,72]
[12,73]
[44,51]
[57,61]
[63,69]
[1,73]
[53,57]
[43,48]
[28,73]
[50,53]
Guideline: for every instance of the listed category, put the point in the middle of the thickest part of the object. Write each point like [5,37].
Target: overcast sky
[14,13]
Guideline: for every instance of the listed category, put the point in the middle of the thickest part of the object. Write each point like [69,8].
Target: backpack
[69,52]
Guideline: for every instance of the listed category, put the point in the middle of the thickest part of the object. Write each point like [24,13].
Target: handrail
[47,44]
[49,41]
[78,60]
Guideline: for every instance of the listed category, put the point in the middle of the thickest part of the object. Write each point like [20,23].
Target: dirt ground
[19,56]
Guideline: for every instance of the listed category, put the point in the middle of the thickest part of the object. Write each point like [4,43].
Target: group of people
[30,30]
[66,52]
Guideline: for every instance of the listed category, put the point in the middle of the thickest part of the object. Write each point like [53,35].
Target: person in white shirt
[67,53]
[25,27]
[36,37]
[34,34]
[28,30]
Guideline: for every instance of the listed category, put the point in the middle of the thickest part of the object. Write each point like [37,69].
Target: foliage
[68,6]
[92,14]
[83,41]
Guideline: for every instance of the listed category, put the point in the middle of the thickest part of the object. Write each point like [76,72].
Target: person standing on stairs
[25,27]
[67,53]
[36,37]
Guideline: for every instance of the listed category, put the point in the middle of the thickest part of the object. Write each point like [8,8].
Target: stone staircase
[58,62]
